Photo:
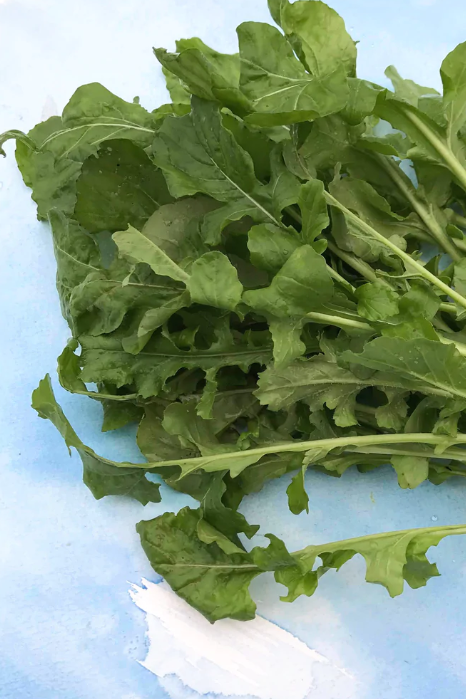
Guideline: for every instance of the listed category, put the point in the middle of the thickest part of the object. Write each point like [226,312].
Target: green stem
[453,454]
[313,551]
[448,308]
[340,322]
[431,223]
[445,153]
[459,220]
[294,214]
[334,274]
[410,262]
[216,462]
[357,264]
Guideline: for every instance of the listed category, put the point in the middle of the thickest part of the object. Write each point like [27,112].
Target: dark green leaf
[197,154]
[102,477]
[92,115]
[212,581]
[118,186]
[298,499]
[159,360]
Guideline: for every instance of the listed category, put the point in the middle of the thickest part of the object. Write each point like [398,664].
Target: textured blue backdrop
[68,628]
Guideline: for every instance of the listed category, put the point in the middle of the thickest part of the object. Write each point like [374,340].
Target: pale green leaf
[313,209]
[411,470]
[302,285]
[319,37]
[287,343]
[377,301]
[137,248]
[214,282]
[279,88]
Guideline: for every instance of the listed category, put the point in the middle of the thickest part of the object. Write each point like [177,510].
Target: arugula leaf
[315,381]
[437,141]
[408,90]
[280,90]
[197,154]
[433,364]
[214,282]
[216,583]
[160,359]
[391,558]
[269,280]
[308,26]
[270,246]
[302,285]
[411,470]
[313,209]
[205,72]
[137,248]
[102,477]
[212,581]
[376,301]
[117,186]
[117,415]
[51,158]
[174,228]
[287,343]
[298,499]
[77,256]
[180,96]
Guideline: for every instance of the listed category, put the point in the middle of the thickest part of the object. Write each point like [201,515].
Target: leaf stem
[445,153]
[326,445]
[410,261]
[339,321]
[313,550]
[459,220]
[334,274]
[357,264]
[342,322]
[431,223]
[294,214]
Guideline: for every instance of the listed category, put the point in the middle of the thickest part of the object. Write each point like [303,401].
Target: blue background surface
[67,626]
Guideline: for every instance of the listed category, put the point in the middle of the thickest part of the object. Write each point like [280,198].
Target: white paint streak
[254,659]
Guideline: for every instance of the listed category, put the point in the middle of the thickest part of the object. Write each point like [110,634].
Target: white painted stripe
[232,658]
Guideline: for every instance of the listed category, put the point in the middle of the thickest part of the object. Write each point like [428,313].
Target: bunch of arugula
[251,275]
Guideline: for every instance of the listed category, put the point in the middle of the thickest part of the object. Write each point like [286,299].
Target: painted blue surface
[67,626]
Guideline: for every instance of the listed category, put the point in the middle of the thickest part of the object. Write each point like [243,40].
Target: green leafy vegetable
[217,583]
[250,276]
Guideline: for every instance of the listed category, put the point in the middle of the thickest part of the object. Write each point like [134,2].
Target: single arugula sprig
[214,577]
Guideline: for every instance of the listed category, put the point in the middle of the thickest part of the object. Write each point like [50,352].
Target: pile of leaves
[268,274]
